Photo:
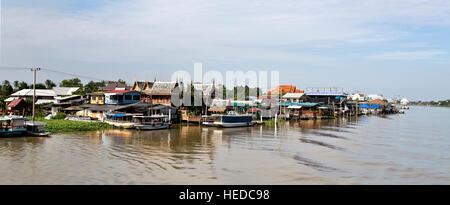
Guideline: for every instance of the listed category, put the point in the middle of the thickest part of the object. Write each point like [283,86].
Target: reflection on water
[397,149]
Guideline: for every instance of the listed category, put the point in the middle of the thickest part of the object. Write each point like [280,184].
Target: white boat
[230,120]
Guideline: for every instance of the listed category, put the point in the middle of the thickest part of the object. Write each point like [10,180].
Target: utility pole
[34,89]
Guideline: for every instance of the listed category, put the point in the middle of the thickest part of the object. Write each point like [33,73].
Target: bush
[59,116]
[74,126]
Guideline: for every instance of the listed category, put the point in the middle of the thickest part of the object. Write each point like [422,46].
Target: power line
[71,74]
[53,71]
[14,68]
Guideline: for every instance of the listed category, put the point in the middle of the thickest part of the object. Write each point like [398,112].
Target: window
[136,97]
[127,97]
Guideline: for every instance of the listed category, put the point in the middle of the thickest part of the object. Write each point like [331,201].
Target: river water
[413,148]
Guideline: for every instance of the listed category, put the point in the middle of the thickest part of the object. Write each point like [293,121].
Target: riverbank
[71,126]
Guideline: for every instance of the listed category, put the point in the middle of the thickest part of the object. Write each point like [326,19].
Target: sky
[390,47]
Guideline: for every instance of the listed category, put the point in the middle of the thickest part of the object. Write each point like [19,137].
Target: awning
[375,106]
[364,106]
[294,107]
[117,115]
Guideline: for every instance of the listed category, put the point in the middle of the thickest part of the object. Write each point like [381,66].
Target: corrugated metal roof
[326,93]
[39,92]
[120,91]
[299,104]
[65,90]
[10,99]
[43,101]
[163,87]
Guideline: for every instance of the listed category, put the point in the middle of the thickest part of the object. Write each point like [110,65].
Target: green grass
[71,126]
[271,122]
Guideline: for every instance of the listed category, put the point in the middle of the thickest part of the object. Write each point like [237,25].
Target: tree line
[7,88]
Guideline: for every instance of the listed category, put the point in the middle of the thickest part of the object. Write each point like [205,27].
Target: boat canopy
[294,107]
[152,117]
[35,124]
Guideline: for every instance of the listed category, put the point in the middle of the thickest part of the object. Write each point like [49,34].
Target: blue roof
[299,104]
[369,106]
[326,93]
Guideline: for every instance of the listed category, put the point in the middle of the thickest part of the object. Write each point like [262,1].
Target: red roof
[118,91]
[378,102]
[15,102]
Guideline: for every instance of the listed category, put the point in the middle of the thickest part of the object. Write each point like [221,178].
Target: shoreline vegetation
[58,125]
[442,103]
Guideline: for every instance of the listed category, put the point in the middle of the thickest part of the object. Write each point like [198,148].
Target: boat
[36,129]
[121,120]
[11,126]
[230,120]
[154,122]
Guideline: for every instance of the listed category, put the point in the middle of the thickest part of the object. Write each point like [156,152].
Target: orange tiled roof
[285,89]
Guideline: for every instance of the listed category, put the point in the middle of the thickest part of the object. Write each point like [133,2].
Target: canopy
[253,109]
[364,106]
[375,106]
[294,107]
[117,115]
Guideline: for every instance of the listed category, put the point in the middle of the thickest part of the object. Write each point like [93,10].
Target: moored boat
[11,126]
[230,120]
[121,120]
[154,122]
[36,129]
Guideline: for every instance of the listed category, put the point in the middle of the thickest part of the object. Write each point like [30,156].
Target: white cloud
[170,32]
[407,55]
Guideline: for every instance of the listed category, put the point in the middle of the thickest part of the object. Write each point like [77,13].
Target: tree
[49,84]
[16,85]
[40,86]
[93,86]
[74,82]
[6,89]
[121,81]
[23,85]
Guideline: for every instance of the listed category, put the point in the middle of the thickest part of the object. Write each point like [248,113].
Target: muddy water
[413,148]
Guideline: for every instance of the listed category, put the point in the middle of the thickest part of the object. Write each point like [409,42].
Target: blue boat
[12,126]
